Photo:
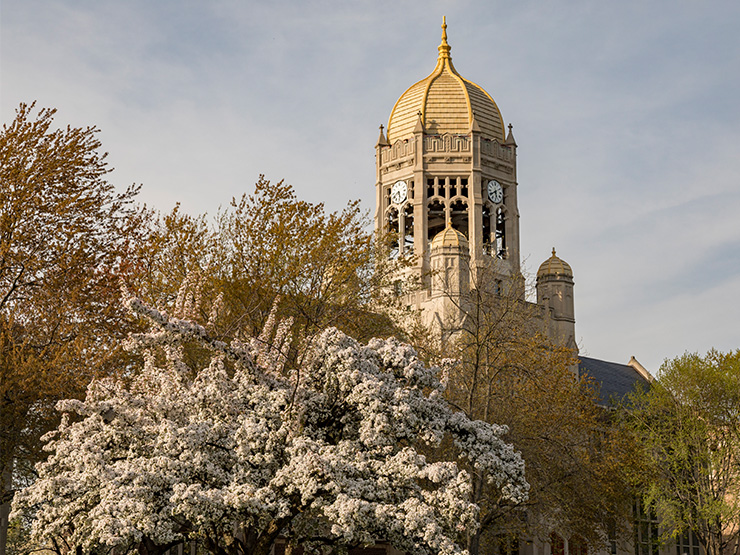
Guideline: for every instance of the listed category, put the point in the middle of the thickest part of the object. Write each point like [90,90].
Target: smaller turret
[555,293]
[450,259]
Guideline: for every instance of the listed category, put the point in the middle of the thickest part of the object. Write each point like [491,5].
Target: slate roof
[614,380]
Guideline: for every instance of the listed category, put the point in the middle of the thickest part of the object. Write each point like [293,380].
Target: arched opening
[506,545]
[487,235]
[459,217]
[435,219]
[557,544]
[392,231]
[500,234]
[463,187]
[431,187]
[408,229]
[577,546]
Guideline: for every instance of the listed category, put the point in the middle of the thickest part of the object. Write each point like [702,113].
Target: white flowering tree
[342,451]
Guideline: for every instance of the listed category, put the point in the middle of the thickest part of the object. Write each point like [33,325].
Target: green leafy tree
[688,423]
[267,246]
[175,246]
[321,265]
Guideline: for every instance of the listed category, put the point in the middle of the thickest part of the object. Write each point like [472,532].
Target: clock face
[495,191]
[398,192]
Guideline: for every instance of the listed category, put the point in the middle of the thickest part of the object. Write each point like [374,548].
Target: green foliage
[270,245]
[689,425]
[176,245]
[265,247]
[19,538]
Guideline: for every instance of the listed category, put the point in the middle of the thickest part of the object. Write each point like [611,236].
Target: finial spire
[419,127]
[382,141]
[553,251]
[510,137]
[444,48]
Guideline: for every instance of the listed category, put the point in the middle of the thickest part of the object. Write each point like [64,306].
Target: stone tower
[555,293]
[446,192]
[446,162]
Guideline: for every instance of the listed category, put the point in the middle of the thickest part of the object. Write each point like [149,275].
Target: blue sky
[626,115]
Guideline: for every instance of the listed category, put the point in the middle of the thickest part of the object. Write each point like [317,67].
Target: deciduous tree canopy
[269,245]
[64,233]
[688,423]
[67,241]
[249,446]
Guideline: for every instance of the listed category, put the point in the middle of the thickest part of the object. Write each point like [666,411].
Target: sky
[626,116]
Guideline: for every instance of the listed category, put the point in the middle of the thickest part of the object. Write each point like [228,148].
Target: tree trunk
[474,543]
[4,512]
[709,542]
[148,547]
[7,476]
[267,538]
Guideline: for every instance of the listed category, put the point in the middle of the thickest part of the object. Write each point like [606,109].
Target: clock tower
[445,163]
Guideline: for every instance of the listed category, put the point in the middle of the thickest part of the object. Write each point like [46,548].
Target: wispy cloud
[626,116]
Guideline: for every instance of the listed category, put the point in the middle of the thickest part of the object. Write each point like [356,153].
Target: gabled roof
[613,379]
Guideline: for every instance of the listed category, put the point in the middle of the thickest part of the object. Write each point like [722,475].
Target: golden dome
[446,103]
[450,237]
[554,266]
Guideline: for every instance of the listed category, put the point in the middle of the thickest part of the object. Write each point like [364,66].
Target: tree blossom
[342,451]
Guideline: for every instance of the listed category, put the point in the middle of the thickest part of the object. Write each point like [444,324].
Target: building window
[612,533]
[487,238]
[687,544]
[506,545]
[577,546]
[392,229]
[408,229]
[645,530]
[431,187]
[557,544]
[459,217]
